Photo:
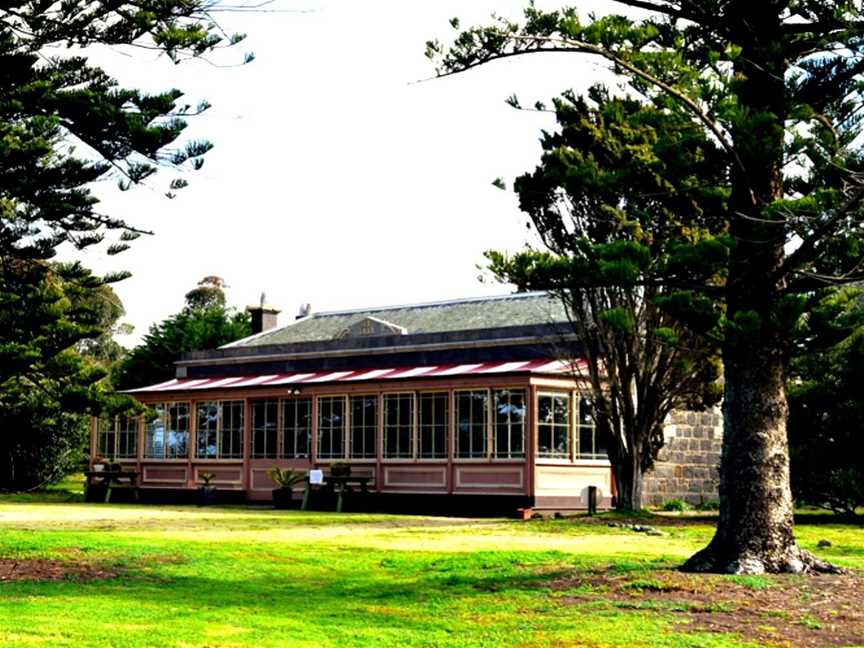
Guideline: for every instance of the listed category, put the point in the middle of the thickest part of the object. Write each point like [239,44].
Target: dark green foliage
[676,505]
[625,195]
[776,88]
[204,323]
[44,403]
[64,124]
[41,440]
[826,407]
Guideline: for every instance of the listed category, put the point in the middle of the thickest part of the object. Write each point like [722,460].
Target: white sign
[316,476]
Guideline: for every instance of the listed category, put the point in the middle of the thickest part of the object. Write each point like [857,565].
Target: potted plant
[285,480]
[340,469]
[99,464]
[206,491]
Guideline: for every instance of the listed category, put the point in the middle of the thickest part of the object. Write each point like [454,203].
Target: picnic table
[111,479]
[339,485]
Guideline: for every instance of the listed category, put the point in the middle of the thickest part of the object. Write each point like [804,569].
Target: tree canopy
[826,405]
[201,324]
[64,124]
[776,86]
[624,191]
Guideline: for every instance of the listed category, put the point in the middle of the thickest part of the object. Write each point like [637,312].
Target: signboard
[316,476]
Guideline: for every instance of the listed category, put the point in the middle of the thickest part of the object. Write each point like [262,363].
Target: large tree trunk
[755,527]
[629,480]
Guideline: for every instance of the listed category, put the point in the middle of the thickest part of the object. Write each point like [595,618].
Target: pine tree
[776,85]
[606,201]
[64,124]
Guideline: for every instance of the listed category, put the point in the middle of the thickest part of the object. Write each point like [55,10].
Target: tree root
[792,560]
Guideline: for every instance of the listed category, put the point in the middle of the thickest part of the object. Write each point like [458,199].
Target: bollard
[592,500]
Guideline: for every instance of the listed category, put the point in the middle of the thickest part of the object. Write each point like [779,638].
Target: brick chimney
[264,317]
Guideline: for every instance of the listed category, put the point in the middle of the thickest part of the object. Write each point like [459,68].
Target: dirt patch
[809,611]
[41,570]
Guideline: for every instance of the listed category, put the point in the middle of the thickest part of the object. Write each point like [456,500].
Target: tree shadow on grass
[432,596]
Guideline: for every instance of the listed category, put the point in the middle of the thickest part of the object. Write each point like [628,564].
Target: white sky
[334,179]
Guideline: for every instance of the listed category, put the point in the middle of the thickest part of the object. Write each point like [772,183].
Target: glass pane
[127,439]
[600,448]
[553,430]
[471,419]
[154,440]
[398,426]
[208,422]
[434,423]
[105,441]
[509,422]
[586,441]
[331,427]
[264,420]
[231,431]
[364,423]
[178,431]
[586,411]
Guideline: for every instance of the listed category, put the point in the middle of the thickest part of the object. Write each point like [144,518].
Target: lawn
[126,575]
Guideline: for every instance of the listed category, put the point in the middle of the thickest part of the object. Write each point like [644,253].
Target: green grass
[243,576]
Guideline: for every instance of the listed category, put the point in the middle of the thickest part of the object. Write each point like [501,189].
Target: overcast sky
[335,178]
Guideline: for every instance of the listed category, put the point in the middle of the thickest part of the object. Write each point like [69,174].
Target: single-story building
[471,397]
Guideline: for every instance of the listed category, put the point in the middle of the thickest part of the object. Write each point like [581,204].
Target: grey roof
[520,309]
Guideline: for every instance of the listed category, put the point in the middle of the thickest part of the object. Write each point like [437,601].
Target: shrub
[676,505]
[709,505]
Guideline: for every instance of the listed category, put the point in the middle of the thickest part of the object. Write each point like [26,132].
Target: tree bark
[628,482]
[755,527]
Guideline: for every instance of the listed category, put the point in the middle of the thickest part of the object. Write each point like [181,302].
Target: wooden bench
[111,480]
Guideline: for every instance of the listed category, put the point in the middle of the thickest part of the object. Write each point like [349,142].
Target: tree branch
[581,47]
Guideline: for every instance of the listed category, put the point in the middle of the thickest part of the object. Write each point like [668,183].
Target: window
[117,438]
[472,409]
[264,429]
[331,427]
[509,423]
[220,430]
[398,426]
[590,445]
[167,435]
[553,429]
[364,426]
[434,423]
[297,428]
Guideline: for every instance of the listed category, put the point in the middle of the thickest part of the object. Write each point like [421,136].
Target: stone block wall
[687,466]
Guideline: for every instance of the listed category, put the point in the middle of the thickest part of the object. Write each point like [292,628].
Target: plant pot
[99,467]
[206,495]
[283,497]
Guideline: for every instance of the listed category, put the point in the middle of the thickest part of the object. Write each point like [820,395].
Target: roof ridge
[445,302]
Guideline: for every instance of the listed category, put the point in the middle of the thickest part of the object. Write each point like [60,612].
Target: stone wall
[687,466]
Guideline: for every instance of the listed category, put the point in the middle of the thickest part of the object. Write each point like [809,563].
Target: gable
[370,327]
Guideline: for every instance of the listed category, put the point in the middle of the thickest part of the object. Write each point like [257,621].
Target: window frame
[255,430]
[220,430]
[493,453]
[318,429]
[567,456]
[578,426]
[376,428]
[282,429]
[413,430]
[487,438]
[115,432]
[448,431]
[165,419]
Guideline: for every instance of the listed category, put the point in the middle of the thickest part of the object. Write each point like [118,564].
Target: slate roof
[519,309]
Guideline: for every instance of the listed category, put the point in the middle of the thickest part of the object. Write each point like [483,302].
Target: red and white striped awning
[276,380]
